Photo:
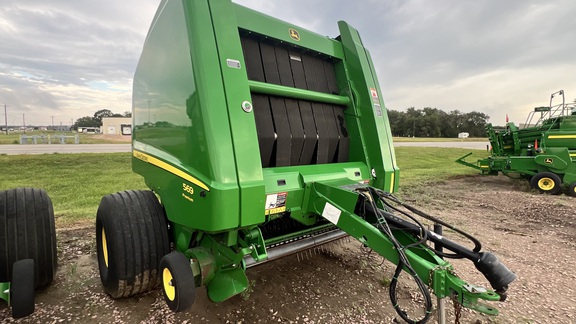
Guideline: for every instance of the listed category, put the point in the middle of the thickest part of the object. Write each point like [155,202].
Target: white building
[117,125]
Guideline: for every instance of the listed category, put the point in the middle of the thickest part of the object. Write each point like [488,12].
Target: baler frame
[245,126]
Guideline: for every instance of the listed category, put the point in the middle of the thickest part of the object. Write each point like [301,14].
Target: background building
[117,125]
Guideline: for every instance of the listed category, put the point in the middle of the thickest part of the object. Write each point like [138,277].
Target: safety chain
[457,305]
[457,310]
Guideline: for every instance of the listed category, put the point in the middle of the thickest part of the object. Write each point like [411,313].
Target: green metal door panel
[372,112]
[271,27]
[187,202]
[240,113]
[180,115]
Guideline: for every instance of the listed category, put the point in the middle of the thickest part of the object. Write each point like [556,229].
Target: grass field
[77,182]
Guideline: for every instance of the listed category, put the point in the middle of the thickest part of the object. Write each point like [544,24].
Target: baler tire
[131,239]
[27,231]
[178,285]
[571,191]
[22,288]
[547,182]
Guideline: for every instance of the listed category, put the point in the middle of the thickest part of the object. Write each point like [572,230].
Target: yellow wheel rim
[546,184]
[104,247]
[167,282]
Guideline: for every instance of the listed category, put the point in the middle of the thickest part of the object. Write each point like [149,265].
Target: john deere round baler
[260,139]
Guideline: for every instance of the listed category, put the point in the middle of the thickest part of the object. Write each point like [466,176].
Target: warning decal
[378,110]
[374,95]
[276,203]
[331,213]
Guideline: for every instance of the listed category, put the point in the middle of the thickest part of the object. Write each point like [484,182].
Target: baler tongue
[368,214]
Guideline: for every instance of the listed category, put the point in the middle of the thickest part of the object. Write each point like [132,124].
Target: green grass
[77,182]
[426,165]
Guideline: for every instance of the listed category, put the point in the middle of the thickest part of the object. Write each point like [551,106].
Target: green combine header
[259,139]
[543,151]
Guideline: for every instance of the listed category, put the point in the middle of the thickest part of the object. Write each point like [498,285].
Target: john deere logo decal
[294,34]
[548,161]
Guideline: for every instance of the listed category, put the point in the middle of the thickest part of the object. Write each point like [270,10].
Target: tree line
[96,120]
[433,122]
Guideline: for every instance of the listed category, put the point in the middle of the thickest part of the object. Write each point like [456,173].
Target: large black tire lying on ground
[131,239]
[27,231]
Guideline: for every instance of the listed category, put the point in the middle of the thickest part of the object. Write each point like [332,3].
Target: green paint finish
[242,124]
[372,117]
[282,91]
[5,286]
[258,23]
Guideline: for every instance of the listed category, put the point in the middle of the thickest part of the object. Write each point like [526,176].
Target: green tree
[87,121]
[102,113]
[475,123]
[434,122]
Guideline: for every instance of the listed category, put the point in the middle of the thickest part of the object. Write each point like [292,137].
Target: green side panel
[271,27]
[181,117]
[242,124]
[373,124]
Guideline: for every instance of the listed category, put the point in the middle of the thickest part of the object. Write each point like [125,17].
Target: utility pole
[24,122]
[52,122]
[6,119]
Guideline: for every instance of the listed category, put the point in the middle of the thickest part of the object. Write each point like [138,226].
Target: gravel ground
[533,234]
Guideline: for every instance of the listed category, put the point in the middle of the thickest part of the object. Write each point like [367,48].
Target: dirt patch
[113,138]
[532,234]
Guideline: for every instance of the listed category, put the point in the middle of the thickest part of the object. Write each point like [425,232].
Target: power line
[6,118]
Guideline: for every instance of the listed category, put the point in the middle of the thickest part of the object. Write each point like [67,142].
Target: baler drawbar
[259,139]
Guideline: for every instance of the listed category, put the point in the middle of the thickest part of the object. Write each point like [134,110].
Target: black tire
[27,231]
[22,288]
[571,190]
[547,182]
[178,285]
[131,239]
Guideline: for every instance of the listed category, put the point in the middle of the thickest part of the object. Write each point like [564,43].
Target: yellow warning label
[275,210]
[276,203]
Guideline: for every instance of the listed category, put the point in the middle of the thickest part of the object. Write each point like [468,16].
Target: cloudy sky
[61,60]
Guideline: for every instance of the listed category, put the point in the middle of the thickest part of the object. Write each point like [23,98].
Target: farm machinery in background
[260,139]
[543,151]
[28,256]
